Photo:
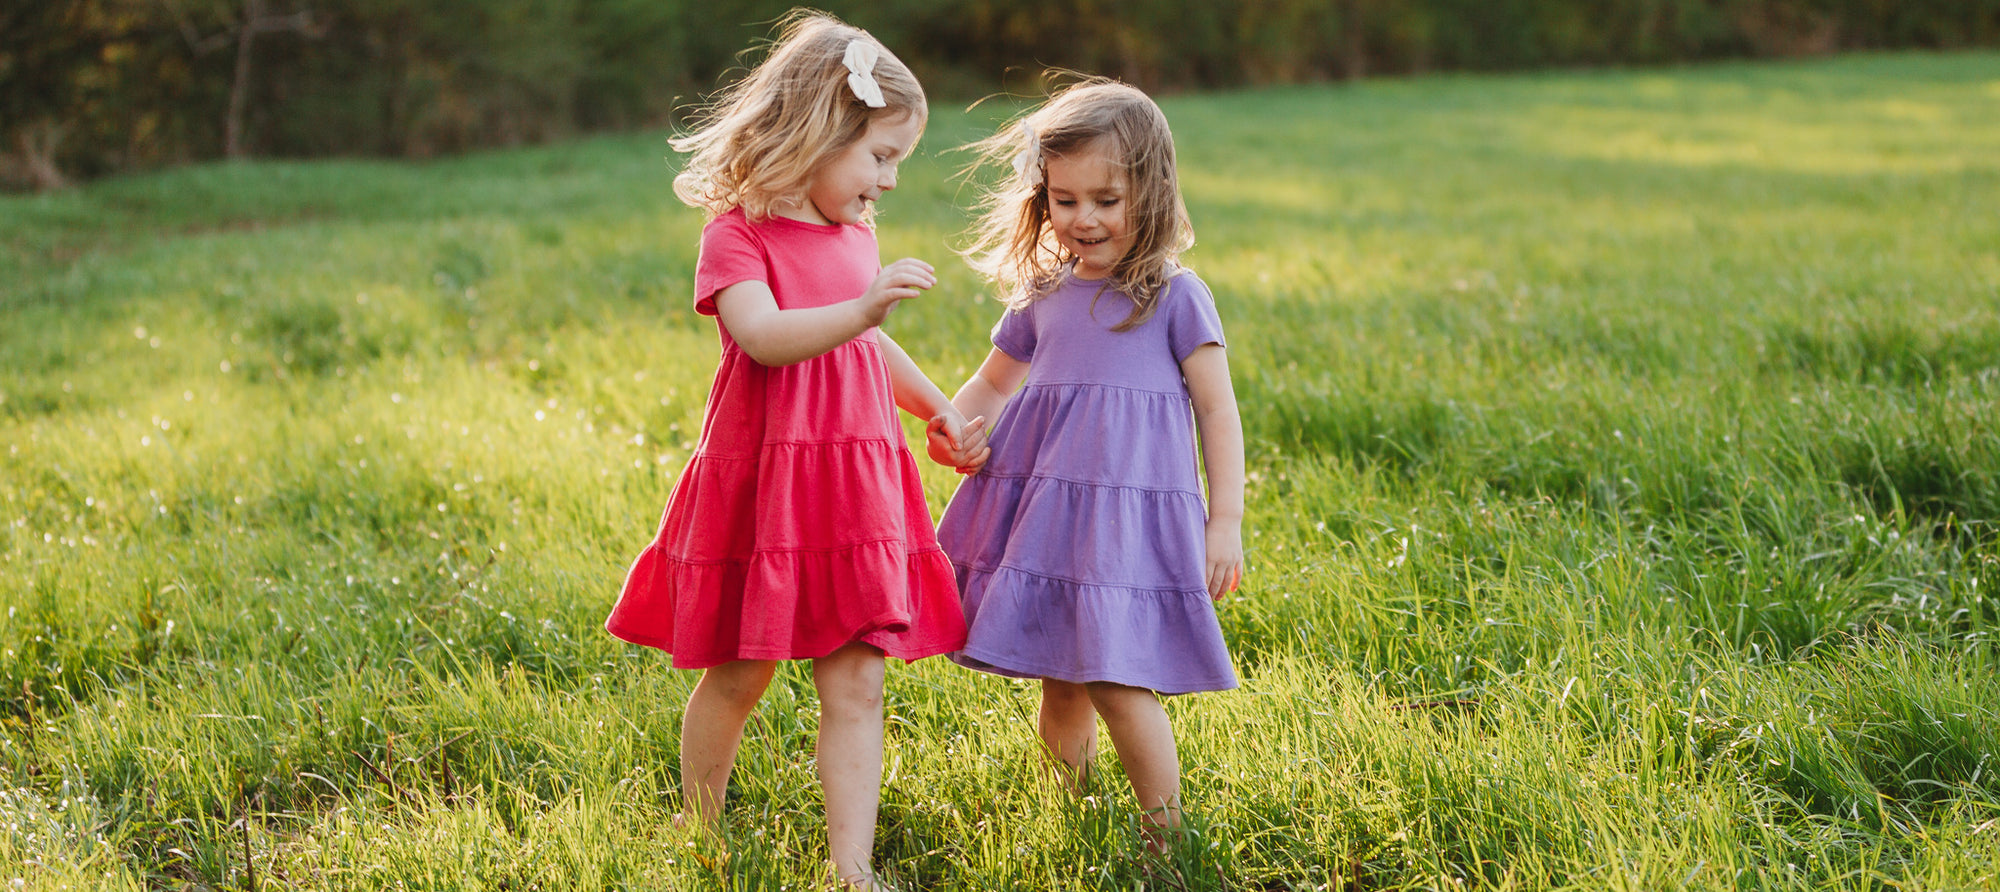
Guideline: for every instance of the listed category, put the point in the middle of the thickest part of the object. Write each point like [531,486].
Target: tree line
[94,87]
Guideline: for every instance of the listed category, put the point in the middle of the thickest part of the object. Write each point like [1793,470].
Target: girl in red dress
[799,529]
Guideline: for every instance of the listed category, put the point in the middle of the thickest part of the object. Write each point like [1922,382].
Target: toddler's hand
[962,446]
[1225,556]
[971,440]
[897,282]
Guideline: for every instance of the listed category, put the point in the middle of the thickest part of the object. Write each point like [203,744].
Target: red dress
[799,524]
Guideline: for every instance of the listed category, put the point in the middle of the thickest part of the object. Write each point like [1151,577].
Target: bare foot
[710,829]
[1159,827]
[1073,776]
[865,881]
[712,852]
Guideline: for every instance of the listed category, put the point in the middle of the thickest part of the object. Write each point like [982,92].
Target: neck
[802,211]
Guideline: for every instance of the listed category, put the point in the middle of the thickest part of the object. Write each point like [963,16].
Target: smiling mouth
[1093,241]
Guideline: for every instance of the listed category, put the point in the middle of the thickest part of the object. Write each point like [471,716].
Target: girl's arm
[986,392]
[1215,419]
[952,440]
[777,337]
[913,389]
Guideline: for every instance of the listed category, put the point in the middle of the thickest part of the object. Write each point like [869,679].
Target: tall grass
[1624,491]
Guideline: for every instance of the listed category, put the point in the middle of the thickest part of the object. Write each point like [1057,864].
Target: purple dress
[1080,546]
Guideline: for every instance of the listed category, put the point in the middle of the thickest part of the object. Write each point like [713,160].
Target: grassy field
[1625,510]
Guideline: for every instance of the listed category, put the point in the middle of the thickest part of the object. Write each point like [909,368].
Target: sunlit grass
[1625,478]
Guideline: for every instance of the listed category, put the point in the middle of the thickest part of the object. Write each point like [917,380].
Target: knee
[739,685]
[1116,701]
[850,700]
[857,701]
[851,679]
[1064,695]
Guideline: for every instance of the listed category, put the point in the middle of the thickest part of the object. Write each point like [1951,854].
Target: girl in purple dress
[1085,555]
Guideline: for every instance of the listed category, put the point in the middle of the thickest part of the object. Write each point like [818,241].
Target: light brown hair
[1013,241]
[759,140]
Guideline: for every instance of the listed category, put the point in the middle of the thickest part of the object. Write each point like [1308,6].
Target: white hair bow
[860,62]
[1028,161]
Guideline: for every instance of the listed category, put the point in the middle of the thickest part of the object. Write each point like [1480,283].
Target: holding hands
[954,441]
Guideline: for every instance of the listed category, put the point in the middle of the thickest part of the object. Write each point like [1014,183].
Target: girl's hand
[960,445]
[1225,556]
[971,441]
[897,282]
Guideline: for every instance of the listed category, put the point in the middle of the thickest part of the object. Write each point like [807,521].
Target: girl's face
[844,184]
[1087,199]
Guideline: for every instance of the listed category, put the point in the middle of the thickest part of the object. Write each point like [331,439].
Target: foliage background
[91,87]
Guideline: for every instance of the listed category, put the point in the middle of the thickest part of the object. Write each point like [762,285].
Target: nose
[887,180]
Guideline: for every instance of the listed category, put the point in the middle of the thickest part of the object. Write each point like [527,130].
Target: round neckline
[804,224]
[1071,278]
[780,220]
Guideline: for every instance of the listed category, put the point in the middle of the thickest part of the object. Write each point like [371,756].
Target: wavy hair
[758,141]
[1013,241]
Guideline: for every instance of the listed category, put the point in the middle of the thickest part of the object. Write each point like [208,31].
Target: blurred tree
[40,60]
[92,86]
[255,19]
[250,18]
[89,87]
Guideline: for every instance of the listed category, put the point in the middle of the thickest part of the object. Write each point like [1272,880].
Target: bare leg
[1069,729]
[1144,740]
[850,757]
[712,728]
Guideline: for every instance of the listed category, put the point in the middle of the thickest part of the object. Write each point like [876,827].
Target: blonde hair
[758,142]
[1014,242]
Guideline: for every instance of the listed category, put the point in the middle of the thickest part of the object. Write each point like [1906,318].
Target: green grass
[1625,510]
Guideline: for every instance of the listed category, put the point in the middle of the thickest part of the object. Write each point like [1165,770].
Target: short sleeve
[1014,334]
[1191,316]
[730,253]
